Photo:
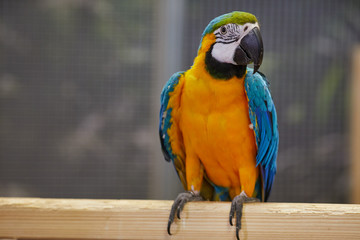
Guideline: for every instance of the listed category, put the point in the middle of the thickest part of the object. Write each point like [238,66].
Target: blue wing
[165,123]
[165,116]
[262,114]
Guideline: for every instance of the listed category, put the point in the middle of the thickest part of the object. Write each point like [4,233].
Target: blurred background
[80,83]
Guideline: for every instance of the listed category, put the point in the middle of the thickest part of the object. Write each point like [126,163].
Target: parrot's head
[230,42]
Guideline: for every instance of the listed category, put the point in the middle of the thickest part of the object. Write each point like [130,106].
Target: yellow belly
[215,124]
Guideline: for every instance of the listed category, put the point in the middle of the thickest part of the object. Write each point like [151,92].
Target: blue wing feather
[262,114]
[165,116]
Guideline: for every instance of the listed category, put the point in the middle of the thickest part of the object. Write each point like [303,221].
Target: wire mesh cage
[80,83]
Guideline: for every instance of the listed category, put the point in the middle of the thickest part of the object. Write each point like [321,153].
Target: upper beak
[251,49]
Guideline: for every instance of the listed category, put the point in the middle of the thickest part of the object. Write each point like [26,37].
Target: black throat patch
[223,71]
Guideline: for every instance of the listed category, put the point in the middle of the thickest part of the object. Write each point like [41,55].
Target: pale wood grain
[147,219]
[355,128]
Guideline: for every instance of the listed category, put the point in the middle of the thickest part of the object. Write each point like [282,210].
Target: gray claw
[237,207]
[179,204]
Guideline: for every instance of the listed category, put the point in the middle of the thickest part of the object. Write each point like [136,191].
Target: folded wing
[264,120]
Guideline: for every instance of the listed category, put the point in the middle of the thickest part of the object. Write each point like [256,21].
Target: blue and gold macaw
[218,123]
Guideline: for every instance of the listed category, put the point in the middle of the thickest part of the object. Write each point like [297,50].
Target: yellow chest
[214,121]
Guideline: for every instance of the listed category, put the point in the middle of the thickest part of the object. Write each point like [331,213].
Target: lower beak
[251,49]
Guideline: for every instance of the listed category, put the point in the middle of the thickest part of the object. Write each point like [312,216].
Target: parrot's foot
[237,207]
[179,204]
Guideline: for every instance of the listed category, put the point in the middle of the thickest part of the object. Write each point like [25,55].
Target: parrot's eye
[246,28]
[223,30]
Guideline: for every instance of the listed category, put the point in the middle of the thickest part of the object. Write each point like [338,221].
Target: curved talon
[237,207]
[168,227]
[179,209]
[237,233]
[179,204]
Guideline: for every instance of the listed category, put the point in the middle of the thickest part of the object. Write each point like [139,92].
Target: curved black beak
[251,49]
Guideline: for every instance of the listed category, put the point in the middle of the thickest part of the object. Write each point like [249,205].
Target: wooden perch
[31,218]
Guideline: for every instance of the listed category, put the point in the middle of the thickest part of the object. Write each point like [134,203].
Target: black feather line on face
[221,70]
[220,41]
[233,32]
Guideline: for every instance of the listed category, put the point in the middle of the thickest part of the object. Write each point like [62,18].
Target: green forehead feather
[234,17]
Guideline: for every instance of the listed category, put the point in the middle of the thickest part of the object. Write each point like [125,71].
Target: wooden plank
[355,128]
[31,218]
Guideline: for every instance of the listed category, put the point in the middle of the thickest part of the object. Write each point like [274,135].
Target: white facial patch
[224,52]
[228,39]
